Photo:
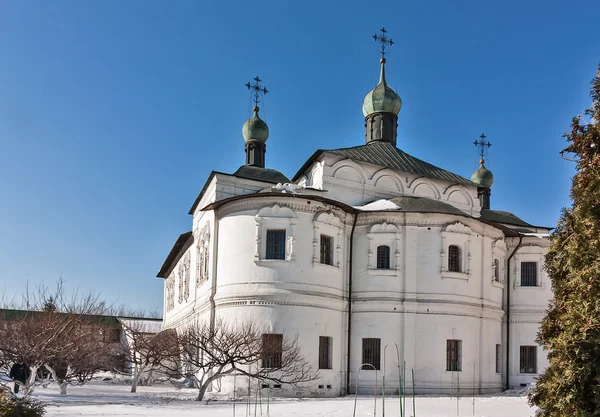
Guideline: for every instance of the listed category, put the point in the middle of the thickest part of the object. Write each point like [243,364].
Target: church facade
[370,256]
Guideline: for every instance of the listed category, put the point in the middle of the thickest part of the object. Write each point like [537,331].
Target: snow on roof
[378,205]
[540,235]
[292,188]
[143,325]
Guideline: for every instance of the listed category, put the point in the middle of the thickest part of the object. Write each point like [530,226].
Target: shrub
[11,406]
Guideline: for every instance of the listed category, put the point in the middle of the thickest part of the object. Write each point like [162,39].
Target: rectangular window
[272,350]
[498,359]
[454,259]
[371,353]
[326,250]
[528,274]
[324,352]
[453,355]
[275,244]
[383,257]
[528,361]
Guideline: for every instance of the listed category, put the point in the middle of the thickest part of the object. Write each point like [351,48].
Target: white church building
[362,250]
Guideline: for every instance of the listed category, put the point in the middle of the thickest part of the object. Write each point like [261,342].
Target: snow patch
[378,205]
[293,188]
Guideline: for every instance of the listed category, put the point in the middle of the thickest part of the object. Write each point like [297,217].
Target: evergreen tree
[570,332]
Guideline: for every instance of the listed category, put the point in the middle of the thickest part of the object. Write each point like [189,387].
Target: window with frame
[496,270]
[453,355]
[371,352]
[528,274]
[498,359]
[324,352]
[326,250]
[454,259]
[383,257]
[272,350]
[528,359]
[275,244]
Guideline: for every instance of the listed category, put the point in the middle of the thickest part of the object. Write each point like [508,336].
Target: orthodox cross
[483,145]
[383,40]
[257,89]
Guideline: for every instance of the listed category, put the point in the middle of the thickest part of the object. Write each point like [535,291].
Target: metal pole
[473,388]
[256,398]
[356,389]
[457,392]
[384,369]
[234,395]
[404,384]
[413,392]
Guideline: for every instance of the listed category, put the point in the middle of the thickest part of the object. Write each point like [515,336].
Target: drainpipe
[213,289]
[356,212]
[508,311]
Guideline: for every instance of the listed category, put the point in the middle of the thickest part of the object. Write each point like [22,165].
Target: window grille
[371,353]
[383,257]
[453,355]
[326,250]
[528,274]
[275,244]
[324,352]
[454,259]
[528,359]
[272,350]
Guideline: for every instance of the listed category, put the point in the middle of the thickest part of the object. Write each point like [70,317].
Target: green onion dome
[483,176]
[255,128]
[382,99]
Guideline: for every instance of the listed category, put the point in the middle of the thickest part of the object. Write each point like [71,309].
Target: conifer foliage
[570,332]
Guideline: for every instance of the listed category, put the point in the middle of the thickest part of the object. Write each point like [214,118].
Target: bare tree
[83,352]
[54,330]
[148,351]
[213,352]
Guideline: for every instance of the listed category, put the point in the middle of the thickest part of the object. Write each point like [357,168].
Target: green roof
[261,174]
[385,154]
[499,216]
[424,205]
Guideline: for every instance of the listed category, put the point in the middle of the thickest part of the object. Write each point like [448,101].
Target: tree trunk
[63,387]
[30,383]
[202,390]
[136,378]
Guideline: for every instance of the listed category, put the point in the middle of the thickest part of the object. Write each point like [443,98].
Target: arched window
[454,259]
[383,257]
[496,270]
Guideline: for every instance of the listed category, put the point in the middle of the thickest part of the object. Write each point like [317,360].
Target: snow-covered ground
[104,399]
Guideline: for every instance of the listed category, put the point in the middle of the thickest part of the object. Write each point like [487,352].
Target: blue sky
[113,113]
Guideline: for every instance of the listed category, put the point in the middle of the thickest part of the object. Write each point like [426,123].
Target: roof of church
[183,242]
[499,216]
[261,174]
[424,205]
[385,154]
[271,176]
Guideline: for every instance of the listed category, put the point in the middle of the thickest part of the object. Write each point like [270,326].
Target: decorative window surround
[326,223]
[384,234]
[170,284]
[186,276]
[460,235]
[528,257]
[270,218]
[202,254]
[499,253]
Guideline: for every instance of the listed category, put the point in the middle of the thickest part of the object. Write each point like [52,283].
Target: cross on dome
[256,90]
[384,41]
